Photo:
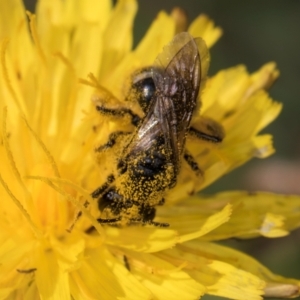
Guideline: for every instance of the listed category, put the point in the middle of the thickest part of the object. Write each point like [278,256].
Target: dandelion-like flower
[52,246]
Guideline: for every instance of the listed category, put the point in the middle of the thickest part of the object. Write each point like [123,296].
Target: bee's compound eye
[148,89]
[145,89]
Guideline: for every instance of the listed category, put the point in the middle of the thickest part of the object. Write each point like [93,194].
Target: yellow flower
[49,128]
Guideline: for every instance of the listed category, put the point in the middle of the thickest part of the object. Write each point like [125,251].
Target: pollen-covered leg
[192,163]
[208,130]
[95,194]
[158,224]
[112,221]
[153,223]
[109,155]
[119,112]
[108,105]
[100,190]
[147,216]
[112,140]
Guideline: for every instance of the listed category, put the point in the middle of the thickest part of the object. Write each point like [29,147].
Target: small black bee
[149,161]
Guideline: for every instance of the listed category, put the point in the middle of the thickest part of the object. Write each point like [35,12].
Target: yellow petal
[244,262]
[163,279]
[263,146]
[146,240]
[180,18]
[101,276]
[94,279]
[117,38]
[271,226]
[70,252]
[94,10]
[14,265]
[234,99]
[133,289]
[263,78]
[52,282]
[204,27]
[220,278]
[191,222]
[12,12]
[146,50]
[278,290]
[144,55]
[267,214]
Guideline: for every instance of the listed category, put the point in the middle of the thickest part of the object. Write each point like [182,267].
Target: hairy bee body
[149,163]
[139,187]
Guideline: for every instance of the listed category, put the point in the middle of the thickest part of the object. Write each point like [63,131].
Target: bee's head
[142,88]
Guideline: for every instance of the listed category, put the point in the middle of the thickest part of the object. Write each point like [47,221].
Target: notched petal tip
[265,76]
[204,27]
[263,146]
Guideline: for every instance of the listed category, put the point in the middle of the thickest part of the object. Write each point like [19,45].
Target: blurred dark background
[255,32]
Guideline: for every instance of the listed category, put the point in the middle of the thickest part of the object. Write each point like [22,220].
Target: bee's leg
[204,136]
[148,214]
[192,163]
[112,140]
[103,221]
[144,222]
[119,112]
[108,221]
[158,224]
[95,194]
[100,190]
[105,200]
[208,130]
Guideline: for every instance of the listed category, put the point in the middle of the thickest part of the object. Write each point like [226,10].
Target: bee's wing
[177,73]
[177,87]
[150,129]
[180,59]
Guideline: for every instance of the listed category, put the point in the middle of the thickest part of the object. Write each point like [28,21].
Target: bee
[150,159]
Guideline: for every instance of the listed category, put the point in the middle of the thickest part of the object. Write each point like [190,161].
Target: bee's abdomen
[149,165]
[149,175]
